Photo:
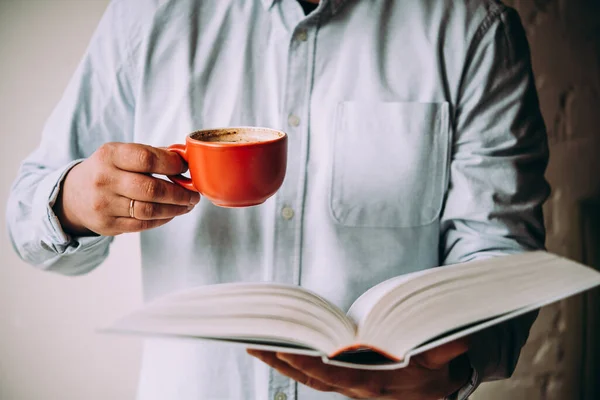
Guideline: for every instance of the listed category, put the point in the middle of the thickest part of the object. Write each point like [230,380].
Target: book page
[431,305]
[260,312]
[365,303]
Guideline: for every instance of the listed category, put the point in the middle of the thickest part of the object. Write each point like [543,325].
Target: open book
[384,327]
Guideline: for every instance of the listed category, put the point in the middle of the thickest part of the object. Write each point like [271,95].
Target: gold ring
[131,203]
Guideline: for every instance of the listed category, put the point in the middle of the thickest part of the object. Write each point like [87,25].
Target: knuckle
[316,384]
[153,189]
[144,225]
[146,159]
[149,210]
[99,204]
[308,381]
[100,179]
[105,151]
[137,226]
[149,224]
[135,181]
[181,195]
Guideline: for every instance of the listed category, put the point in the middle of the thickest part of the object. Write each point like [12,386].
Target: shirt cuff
[485,357]
[48,223]
[468,389]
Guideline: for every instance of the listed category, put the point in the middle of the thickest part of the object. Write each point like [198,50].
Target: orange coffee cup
[234,167]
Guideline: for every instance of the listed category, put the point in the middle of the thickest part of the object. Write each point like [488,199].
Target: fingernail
[190,207]
[195,199]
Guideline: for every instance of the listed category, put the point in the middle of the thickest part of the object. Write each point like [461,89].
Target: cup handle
[181,180]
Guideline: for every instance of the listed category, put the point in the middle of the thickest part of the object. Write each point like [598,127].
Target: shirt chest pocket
[390,164]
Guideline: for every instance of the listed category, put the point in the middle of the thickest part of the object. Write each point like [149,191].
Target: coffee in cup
[234,167]
[233,135]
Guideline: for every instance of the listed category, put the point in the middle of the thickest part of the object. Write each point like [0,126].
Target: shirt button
[287,213]
[301,36]
[294,120]
[280,396]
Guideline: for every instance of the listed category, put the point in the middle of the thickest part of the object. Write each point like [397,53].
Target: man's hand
[430,376]
[96,194]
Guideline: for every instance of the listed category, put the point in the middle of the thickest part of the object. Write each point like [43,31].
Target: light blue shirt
[415,140]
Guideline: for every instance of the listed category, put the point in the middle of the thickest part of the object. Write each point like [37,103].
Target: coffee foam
[234,135]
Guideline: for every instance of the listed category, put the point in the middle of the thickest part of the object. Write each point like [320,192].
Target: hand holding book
[434,374]
[386,326]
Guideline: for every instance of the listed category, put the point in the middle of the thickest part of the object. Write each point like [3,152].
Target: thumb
[442,355]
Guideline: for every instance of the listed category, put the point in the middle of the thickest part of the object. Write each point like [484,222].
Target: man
[415,140]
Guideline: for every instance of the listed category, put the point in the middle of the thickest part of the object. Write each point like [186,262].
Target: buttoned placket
[290,198]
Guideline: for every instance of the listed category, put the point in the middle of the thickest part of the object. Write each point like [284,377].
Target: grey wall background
[48,348]
[565,41]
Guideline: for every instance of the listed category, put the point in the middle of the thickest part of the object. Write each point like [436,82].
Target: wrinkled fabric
[415,140]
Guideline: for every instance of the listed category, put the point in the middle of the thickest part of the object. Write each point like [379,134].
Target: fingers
[284,368]
[135,157]
[146,211]
[115,219]
[442,355]
[96,194]
[411,382]
[350,382]
[146,188]
[314,368]
[126,224]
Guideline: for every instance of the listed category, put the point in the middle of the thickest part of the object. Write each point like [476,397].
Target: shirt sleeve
[497,185]
[97,107]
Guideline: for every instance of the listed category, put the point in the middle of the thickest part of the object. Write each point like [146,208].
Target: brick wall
[565,42]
